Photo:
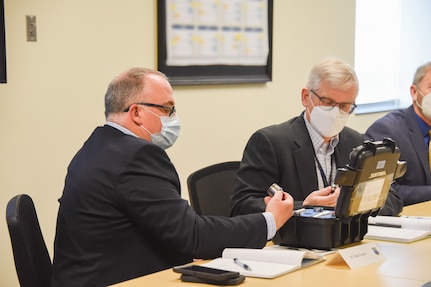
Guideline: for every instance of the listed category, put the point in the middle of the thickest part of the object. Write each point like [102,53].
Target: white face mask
[327,123]
[426,104]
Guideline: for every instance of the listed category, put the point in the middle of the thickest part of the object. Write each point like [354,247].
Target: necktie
[429,149]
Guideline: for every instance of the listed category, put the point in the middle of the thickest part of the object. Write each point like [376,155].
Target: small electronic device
[366,180]
[364,186]
[273,189]
[206,273]
[231,281]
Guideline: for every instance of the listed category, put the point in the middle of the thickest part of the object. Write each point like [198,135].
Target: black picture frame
[211,74]
[3,78]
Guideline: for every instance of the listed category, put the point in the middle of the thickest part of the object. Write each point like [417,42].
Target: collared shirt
[269,217]
[425,129]
[120,128]
[324,152]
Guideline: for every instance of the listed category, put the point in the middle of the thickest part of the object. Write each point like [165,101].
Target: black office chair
[210,188]
[32,261]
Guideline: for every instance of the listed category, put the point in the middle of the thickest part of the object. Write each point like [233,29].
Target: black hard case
[372,164]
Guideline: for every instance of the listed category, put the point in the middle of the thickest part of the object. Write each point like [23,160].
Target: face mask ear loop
[146,130]
[151,113]
[423,96]
[311,101]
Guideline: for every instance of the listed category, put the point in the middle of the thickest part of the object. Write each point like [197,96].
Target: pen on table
[385,224]
[243,265]
[415,217]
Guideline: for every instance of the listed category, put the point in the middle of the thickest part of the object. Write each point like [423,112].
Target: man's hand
[323,197]
[281,207]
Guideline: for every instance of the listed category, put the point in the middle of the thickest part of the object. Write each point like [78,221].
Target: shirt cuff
[270,223]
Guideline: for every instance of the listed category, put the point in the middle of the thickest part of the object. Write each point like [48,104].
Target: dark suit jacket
[403,128]
[121,216]
[284,154]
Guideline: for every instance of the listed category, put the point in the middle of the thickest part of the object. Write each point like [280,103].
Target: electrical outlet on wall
[31,28]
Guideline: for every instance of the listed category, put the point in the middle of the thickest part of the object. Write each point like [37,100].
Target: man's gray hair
[123,90]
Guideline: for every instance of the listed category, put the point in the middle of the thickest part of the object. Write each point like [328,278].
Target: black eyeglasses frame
[172,110]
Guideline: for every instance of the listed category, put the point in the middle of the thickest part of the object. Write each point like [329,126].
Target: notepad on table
[399,229]
[265,263]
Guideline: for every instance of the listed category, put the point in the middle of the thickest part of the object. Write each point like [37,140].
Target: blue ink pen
[243,265]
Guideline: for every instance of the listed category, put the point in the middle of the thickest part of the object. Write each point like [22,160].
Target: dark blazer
[403,128]
[121,216]
[284,154]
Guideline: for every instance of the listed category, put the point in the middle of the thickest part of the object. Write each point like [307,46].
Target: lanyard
[326,180]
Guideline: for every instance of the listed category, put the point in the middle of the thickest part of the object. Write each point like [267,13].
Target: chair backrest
[32,261]
[211,187]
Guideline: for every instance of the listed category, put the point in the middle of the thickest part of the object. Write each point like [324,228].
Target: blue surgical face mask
[169,132]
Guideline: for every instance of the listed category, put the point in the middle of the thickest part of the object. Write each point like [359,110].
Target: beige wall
[54,95]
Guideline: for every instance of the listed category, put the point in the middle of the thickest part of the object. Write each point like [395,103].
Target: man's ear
[414,92]
[134,114]
[305,94]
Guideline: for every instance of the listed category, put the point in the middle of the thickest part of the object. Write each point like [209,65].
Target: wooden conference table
[406,264]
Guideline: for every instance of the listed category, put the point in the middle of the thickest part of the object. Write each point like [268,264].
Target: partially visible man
[121,213]
[302,155]
[410,129]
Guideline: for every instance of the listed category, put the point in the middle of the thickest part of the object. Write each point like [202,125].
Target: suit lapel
[343,150]
[416,138]
[304,157]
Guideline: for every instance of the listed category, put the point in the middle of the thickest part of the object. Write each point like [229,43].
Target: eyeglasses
[170,109]
[328,104]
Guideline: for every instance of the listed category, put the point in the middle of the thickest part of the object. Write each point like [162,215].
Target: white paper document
[399,229]
[407,222]
[264,263]
[396,234]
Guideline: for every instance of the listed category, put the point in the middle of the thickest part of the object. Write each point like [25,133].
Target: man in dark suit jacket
[303,154]
[409,128]
[121,213]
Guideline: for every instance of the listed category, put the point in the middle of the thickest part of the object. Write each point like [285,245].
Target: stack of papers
[399,229]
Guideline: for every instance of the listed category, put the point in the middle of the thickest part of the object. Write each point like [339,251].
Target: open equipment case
[365,182]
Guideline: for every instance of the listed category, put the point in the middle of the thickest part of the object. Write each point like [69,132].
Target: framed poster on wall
[3,78]
[215,41]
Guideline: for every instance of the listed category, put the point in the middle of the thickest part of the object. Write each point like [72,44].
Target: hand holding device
[273,189]
[327,196]
[280,204]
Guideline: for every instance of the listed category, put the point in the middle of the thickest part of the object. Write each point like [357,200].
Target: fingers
[281,206]
[278,195]
[325,191]
[337,191]
[287,196]
[279,200]
[323,197]
[275,195]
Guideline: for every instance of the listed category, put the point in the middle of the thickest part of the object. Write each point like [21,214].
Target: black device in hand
[197,273]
